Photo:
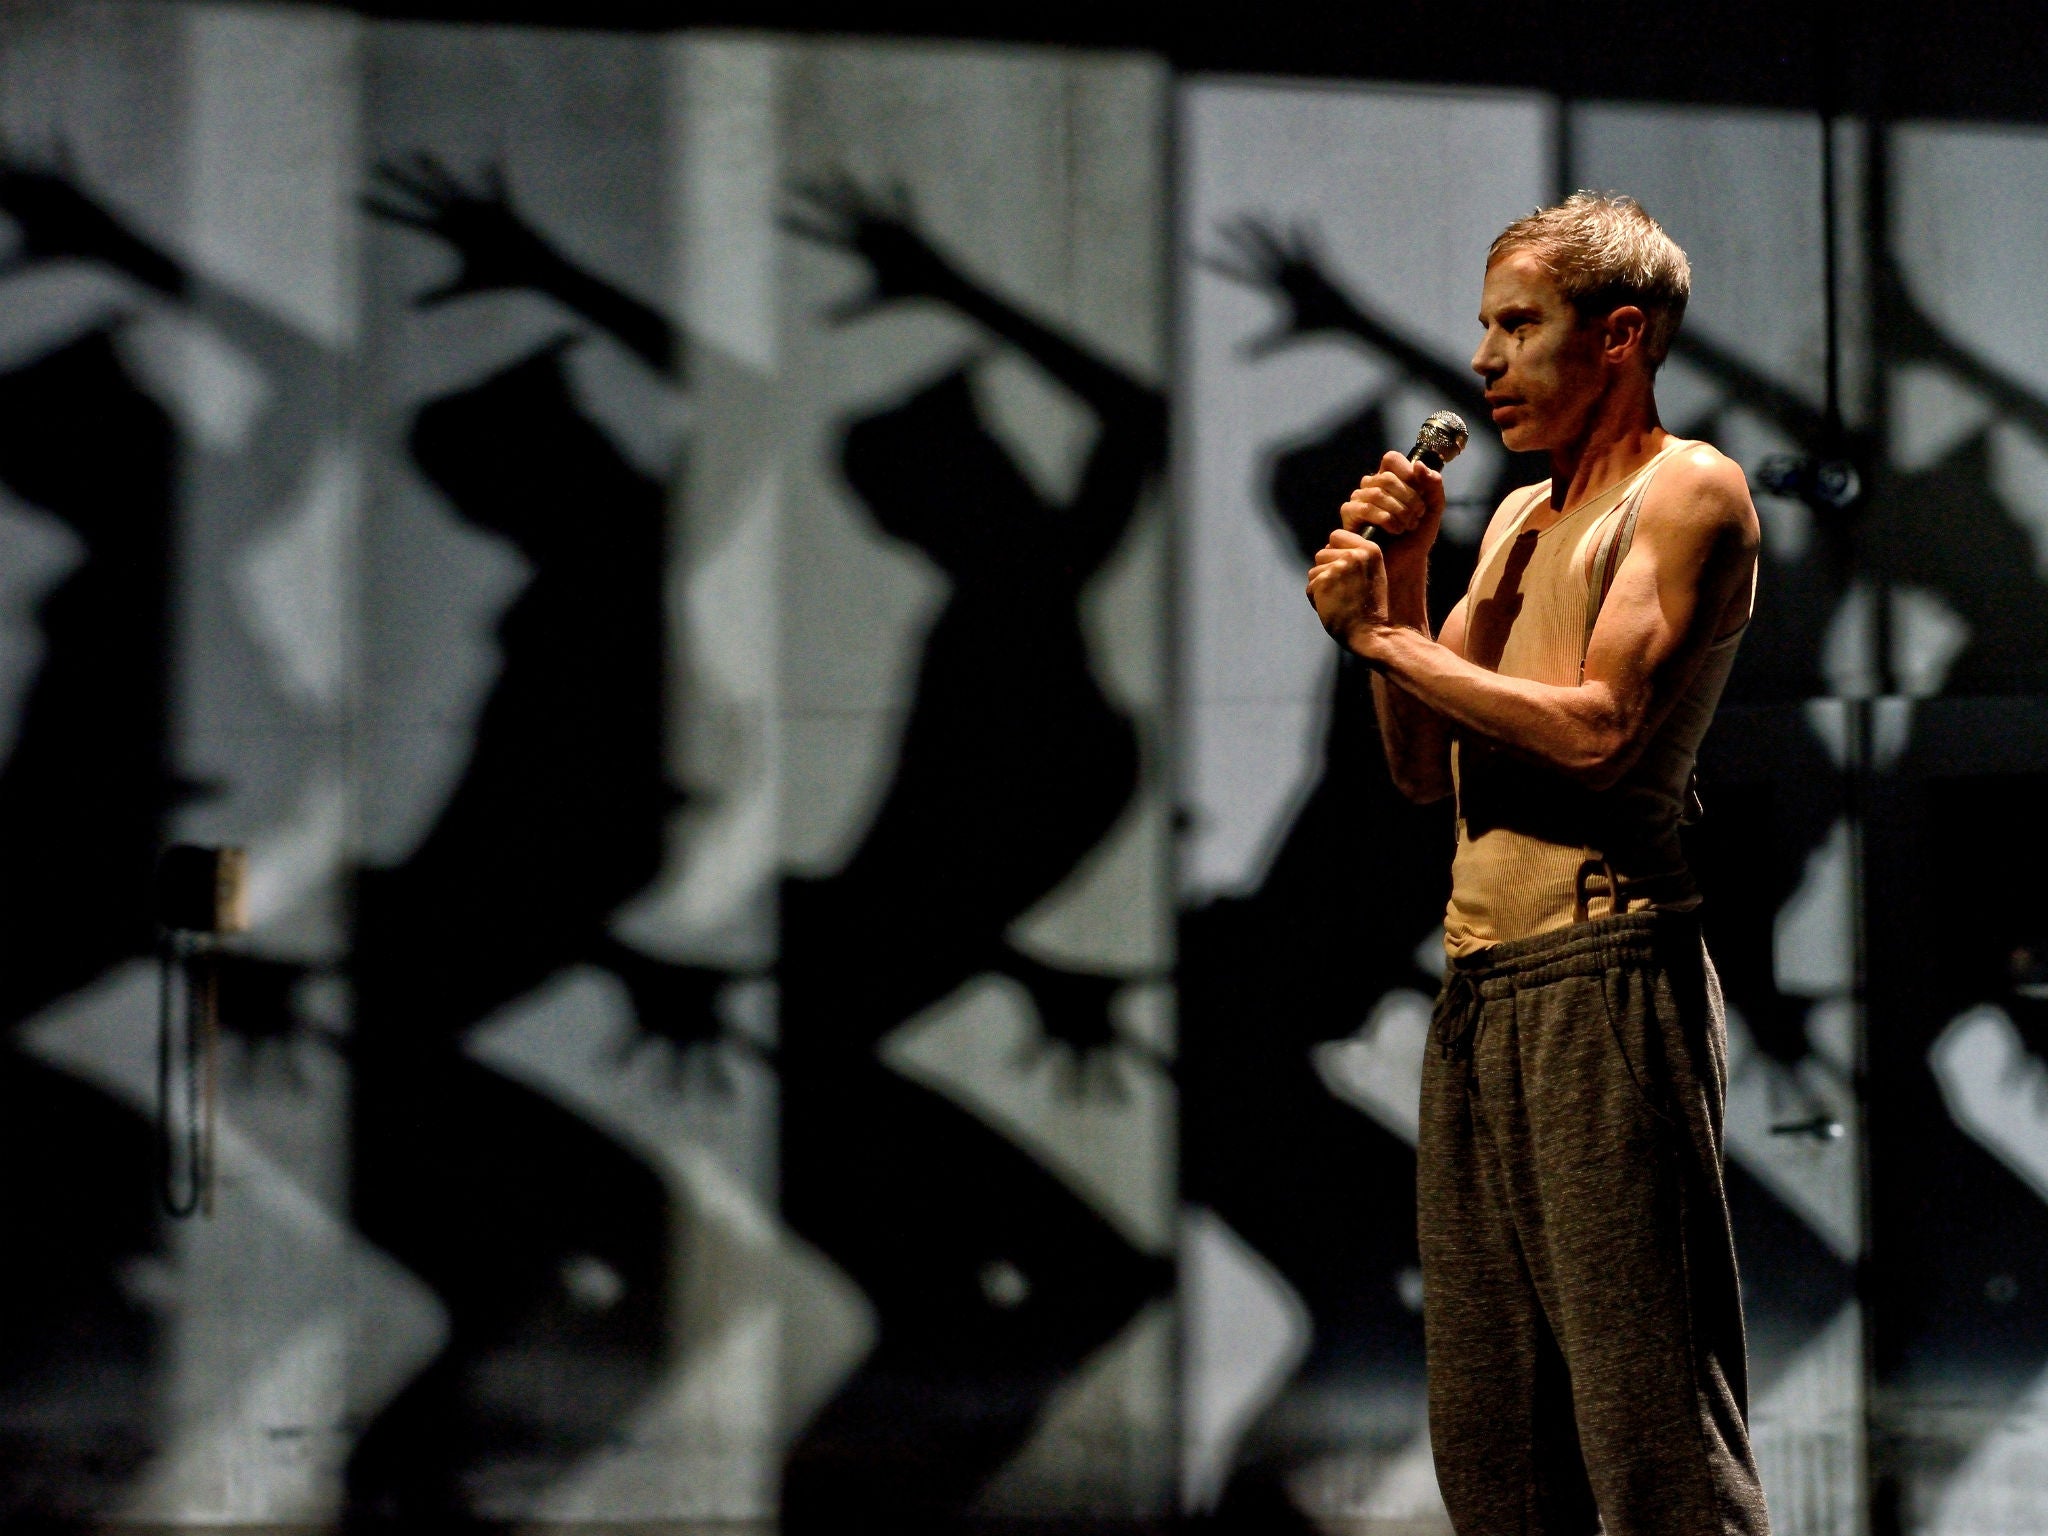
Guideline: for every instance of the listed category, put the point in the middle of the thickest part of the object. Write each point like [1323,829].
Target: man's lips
[1500,404]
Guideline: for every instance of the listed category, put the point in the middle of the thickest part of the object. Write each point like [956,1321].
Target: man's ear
[1627,329]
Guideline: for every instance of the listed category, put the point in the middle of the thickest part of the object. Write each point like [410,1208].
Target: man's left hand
[1348,586]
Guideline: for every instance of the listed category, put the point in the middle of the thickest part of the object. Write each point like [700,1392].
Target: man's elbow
[1603,759]
[1423,789]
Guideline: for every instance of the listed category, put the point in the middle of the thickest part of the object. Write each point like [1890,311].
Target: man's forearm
[1416,738]
[1579,731]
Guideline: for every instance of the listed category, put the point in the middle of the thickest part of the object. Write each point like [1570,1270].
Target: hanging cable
[1831,299]
[1825,477]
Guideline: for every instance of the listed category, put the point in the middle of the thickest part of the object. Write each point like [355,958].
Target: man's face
[1542,361]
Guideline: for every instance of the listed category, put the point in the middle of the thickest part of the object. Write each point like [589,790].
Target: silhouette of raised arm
[499,249]
[1292,266]
[55,221]
[904,265]
[56,217]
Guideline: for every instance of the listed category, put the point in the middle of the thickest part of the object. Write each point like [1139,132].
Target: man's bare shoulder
[1700,493]
[1510,507]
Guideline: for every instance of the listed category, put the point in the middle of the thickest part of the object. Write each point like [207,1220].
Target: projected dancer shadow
[1278,1055]
[495,1194]
[1322,1191]
[83,798]
[992,1281]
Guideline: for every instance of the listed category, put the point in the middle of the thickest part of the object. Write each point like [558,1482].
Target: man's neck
[1621,436]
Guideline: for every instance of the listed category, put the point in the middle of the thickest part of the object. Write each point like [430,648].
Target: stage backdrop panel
[565,923]
[976,1015]
[184,475]
[1331,243]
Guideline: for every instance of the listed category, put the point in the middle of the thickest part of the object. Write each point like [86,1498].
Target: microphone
[1440,439]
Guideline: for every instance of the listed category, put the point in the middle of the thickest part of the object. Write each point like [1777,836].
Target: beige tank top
[1536,850]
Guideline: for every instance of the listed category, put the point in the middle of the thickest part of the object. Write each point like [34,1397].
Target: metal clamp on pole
[199,899]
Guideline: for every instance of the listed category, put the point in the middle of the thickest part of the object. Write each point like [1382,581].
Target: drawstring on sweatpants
[1458,1017]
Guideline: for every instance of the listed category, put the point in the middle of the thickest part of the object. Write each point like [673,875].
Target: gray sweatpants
[1580,1304]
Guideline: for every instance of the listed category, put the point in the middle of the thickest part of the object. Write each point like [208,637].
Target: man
[1581,1311]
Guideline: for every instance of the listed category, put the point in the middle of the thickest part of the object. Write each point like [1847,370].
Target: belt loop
[1598,864]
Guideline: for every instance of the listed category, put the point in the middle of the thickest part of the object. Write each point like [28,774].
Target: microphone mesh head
[1443,434]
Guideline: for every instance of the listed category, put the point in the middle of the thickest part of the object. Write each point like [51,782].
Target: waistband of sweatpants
[1579,949]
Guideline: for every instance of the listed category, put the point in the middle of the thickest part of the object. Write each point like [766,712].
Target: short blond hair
[1604,251]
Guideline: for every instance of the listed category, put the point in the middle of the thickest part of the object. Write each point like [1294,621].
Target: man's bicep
[1665,604]
[1640,630]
